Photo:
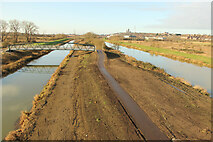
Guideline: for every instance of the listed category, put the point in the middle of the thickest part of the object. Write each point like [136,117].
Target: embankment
[27,119]
[12,61]
[76,104]
[176,55]
[178,109]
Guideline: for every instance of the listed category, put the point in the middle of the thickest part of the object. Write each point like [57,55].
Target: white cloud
[188,16]
[10,90]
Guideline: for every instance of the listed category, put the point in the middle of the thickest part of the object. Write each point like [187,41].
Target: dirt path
[149,130]
[179,115]
[82,106]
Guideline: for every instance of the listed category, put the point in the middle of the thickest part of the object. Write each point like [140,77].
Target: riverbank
[90,110]
[12,61]
[173,54]
[181,114]
[78,104]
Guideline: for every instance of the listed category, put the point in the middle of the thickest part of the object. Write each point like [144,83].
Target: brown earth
[86,107]
[79,104]
[82,106]
[179,115]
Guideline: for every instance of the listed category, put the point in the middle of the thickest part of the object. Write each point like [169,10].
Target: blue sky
[111,17]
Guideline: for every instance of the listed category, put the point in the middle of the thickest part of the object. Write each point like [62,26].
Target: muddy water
[194,74]
[19,88]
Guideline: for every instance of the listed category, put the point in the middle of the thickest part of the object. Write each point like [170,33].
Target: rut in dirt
[148,129]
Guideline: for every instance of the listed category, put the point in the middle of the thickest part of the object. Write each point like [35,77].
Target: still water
[196,75]
[19,88]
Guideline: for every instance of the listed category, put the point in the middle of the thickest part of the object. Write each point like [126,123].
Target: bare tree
[29,29]
[15,28]
[3,30]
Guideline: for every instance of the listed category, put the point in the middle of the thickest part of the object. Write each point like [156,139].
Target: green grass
[51,42]
[204,59]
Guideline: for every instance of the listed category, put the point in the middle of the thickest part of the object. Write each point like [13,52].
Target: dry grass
[183,81]
[181,55]
[200,89]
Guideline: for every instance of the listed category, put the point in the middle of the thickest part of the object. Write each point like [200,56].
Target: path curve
[148,129]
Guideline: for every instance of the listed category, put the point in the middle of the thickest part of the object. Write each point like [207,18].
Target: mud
[184,114]
[79,105]
[140,118]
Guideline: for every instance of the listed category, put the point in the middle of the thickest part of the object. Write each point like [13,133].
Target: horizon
[112,17]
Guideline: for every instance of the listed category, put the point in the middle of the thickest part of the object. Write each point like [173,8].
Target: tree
[90,35]
[29,29]
[15,28]
[3,30]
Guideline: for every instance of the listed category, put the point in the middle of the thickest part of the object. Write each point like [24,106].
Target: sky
[111,17]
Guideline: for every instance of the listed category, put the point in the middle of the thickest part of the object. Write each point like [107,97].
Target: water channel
[19,88]
[196,75]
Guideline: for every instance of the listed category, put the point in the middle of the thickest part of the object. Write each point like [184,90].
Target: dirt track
[179,115]
[148,129]
[82,106]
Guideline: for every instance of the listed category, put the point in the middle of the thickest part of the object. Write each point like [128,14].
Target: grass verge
[158,72]
[181,56]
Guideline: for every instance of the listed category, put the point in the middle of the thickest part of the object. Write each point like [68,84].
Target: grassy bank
[181,56]
[12,61]
[55,42]
[175,81]
[181,113]
[27,119]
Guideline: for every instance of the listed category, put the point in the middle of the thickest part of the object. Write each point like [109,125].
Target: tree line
[15,27]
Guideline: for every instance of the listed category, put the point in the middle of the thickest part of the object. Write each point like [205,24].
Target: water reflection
[19,88]
[196,75]
[39,69]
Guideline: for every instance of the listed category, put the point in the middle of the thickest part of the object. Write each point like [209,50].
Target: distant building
[155,38]
[128,31]
[160,38]
[129,37]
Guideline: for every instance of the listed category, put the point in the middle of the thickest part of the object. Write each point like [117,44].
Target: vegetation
[204,59]
[15,27]
[52,42]
[29,29]
[15,60]
[91,38]
[17,32]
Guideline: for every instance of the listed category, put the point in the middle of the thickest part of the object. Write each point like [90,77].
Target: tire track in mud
[147,129]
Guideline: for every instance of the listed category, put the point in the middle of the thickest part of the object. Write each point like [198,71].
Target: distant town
[129,35]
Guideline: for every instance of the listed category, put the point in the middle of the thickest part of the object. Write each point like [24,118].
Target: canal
[194,74]
[19,88]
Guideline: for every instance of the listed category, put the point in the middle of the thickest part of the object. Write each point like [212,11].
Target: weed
[98,120]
